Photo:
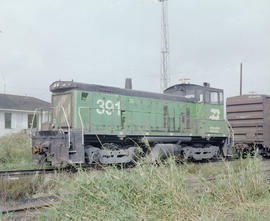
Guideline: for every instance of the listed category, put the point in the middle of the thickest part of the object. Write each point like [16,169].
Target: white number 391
[107,107]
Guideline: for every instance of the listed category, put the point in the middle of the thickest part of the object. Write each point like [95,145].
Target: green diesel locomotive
[108,125]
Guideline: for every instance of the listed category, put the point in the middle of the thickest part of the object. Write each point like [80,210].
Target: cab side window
[199,96]
[190,93]
[207,97]
[214,97]
[221,98]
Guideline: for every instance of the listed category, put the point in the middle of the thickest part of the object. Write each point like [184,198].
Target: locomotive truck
[92,124]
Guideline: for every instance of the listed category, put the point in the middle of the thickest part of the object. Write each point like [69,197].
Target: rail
[28,204]
[30,172]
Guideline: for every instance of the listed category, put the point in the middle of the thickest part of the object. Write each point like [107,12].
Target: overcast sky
[105,41]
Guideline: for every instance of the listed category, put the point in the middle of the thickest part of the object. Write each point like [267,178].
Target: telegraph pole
[164,67]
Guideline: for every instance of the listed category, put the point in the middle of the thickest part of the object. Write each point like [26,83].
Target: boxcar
[249,116]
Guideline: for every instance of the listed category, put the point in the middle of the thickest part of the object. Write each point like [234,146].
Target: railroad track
[31,172]
[28,204]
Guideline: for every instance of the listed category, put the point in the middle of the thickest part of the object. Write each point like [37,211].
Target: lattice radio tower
[164,67]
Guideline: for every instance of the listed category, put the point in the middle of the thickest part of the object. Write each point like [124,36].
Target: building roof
[26,103]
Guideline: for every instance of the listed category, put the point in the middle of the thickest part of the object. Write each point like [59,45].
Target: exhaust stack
[128,83]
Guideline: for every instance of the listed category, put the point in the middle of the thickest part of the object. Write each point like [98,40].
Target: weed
[15,152]
[148,192]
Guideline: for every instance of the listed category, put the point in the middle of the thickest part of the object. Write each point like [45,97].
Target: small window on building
[84,96]
[7,120]
[214,97]
[30,121]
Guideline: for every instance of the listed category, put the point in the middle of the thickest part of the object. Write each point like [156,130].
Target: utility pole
[164,67]
[241,77]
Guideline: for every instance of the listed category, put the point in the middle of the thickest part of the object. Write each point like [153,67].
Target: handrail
[231,132]
[81,121]
[66,119]
[33,119]
[67,125]
[35,111]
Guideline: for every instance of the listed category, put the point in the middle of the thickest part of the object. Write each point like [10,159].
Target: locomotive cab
[200,94]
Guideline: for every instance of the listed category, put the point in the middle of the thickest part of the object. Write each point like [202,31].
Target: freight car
[249,116]
[108,125]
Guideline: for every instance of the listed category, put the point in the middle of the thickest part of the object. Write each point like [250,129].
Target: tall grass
[15,152]
[148,192]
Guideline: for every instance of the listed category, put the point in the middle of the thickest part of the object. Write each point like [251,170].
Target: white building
[16,113]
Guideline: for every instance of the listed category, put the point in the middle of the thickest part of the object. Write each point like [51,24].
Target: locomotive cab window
[199,95]
[214,97]
[190,93]
[221,98]
[207,97]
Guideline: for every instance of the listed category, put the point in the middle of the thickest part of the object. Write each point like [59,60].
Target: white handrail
[32,126]
[67,125]
[81,121]
[66,119]
[231,132]
[80,116]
